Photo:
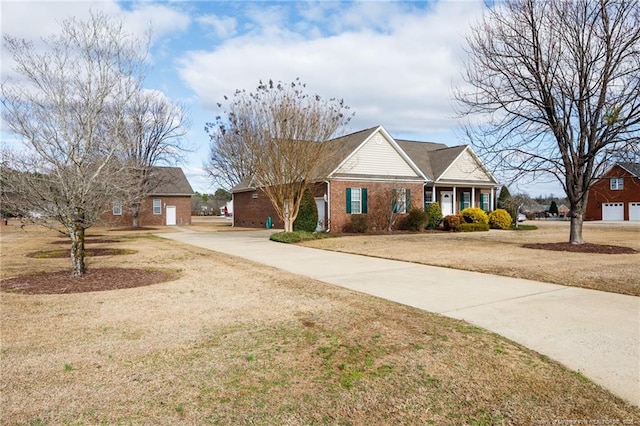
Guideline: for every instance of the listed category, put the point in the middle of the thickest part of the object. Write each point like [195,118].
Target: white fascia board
[374,179]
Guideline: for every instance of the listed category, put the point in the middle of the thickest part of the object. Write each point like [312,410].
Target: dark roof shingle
[169,181]
[633,168]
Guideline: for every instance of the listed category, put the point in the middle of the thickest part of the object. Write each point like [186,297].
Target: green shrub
[359,224]
[524,228]
[297,236]
[475,215]
[434,214]
[416,219]
[452,222]
[472,227]
[307,219]
[500,219]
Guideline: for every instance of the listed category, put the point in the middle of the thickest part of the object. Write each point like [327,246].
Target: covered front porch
[454,198]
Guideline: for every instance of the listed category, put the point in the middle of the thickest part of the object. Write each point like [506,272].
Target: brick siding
[600,192]
[338,215]
[146,216]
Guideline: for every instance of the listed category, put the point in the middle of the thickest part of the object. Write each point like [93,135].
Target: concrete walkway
[593,332]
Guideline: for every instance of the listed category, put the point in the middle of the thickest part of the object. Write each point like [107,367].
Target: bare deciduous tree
[230,161]
[555,87]
[67,106]
[278,134]
[387,206]
[152,133]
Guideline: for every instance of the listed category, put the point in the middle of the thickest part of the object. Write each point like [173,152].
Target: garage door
[634,211]
[613,211]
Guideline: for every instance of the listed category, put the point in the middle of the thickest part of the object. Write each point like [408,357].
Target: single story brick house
[168,203]
[369,162]
[616,194]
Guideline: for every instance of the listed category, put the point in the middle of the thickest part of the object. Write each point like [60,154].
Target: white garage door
[613,211]
[634,211]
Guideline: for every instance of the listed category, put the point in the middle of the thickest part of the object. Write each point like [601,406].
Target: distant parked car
[521,217]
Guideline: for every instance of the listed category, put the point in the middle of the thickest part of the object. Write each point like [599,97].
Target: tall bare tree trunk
[78,267]
[135,214]
[575,233]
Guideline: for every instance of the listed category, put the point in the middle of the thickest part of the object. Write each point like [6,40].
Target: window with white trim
[616,184]
[400,200]
[356,200]
[466,200]
[484,201]
[116,208]
[428,197]
[157,206]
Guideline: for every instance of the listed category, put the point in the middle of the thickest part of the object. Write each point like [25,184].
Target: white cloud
[163,20]
[223,27]
[33,20]
[398,74]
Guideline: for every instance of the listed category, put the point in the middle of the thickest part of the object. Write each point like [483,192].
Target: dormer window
[616,184]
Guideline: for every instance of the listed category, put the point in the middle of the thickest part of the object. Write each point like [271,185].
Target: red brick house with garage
[370,163]
[616,194]
[168,203]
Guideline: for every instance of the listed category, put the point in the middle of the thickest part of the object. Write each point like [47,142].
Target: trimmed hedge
[524,228]
[500,219]
[472,227]
[298,236]
[475,215]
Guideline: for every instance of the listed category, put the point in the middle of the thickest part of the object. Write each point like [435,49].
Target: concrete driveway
[593,332]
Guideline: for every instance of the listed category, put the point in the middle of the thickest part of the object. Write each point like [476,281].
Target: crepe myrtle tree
[552,88]
[275,135]
[66,105]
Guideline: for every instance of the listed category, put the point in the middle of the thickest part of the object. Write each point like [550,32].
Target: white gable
[377,156]
[466,167]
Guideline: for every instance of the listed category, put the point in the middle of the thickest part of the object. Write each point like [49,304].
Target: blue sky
[394,63]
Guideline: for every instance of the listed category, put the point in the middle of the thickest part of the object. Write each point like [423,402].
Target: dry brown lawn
[501,253]
[233,342]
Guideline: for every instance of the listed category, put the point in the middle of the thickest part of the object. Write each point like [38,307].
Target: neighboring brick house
[168,203]
[368,163]
[616,194]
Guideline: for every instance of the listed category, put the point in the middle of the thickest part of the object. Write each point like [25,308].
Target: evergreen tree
[504,199]
[553,208]
[307,219]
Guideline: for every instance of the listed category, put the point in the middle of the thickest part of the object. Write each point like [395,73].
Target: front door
[321,214]
[171,215]
[446,202]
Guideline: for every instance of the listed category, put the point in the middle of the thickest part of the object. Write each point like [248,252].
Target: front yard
[501,253]
[233,342]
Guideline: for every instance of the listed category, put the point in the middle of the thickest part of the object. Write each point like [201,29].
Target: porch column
[433,195]
[453,200]
[473,196]
[491,200]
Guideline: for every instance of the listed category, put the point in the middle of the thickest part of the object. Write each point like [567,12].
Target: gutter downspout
[233,216]
[328,213]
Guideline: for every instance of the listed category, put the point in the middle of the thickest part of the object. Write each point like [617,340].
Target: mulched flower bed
[582,248]
[88,241]
[132,228]
[101,279]
[92,252]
